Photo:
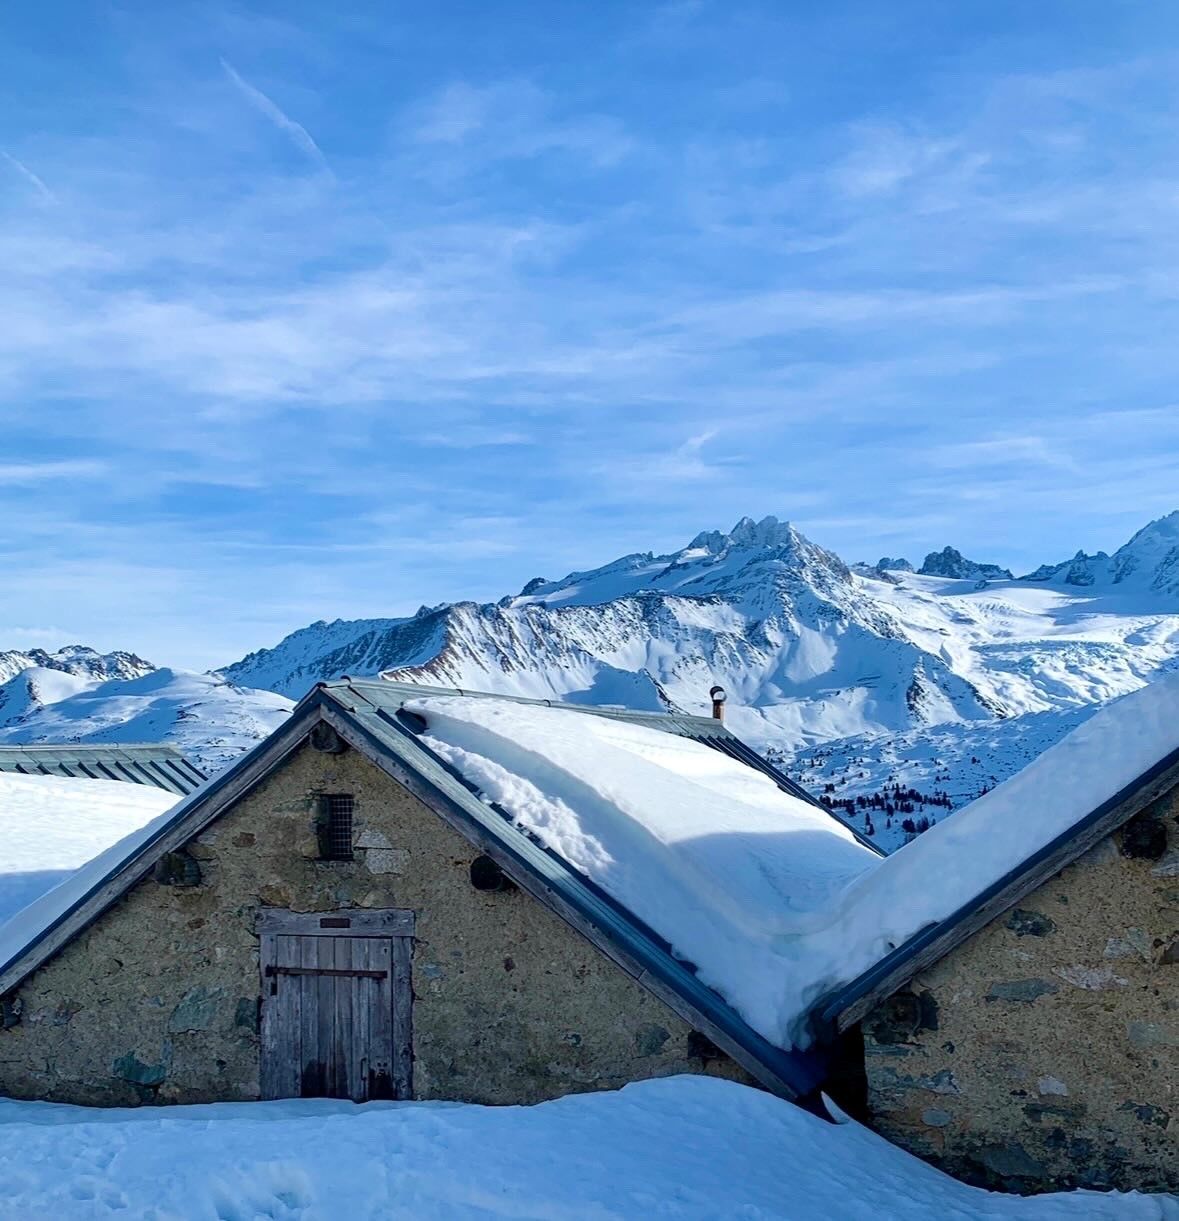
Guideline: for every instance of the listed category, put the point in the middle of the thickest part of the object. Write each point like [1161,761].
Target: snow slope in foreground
[683,1147]
[51,826]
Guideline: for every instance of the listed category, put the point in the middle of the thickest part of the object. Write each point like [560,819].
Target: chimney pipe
[718,703]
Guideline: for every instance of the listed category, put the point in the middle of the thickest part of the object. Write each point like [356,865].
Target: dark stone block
[1144,838]
[131,1068]
[650,1039]
[1024,991]
[1025,923]
[1147,1113]
[1012,1162]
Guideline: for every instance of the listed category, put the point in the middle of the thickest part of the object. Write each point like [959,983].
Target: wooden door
[336,1004]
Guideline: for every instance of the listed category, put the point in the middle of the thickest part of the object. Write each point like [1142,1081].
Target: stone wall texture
[158,1000]
[1042,1053]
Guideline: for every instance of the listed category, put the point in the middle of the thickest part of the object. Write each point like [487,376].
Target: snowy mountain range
[78,695]
[949,677]
[809,649]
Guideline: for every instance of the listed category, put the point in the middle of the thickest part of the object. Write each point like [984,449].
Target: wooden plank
[346,922]
[284,1001]
[346,988]
[268,1046]
[402,1017]
[310,1057]
[381,1019]
[330,972]
[325,1011]
[854,1003]
[361,1021]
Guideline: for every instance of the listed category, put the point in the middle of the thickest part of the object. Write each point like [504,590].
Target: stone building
[1031,1041]
[351,911]
[341,914]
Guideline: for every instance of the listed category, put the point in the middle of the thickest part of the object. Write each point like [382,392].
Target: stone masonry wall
[1042,1053]
[159,999]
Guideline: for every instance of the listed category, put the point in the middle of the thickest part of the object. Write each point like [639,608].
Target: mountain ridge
[857,677]
[810,649]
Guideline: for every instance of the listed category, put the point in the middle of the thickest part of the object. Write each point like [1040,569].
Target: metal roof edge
[416,690]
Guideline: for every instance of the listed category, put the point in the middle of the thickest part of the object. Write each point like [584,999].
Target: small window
[335,826]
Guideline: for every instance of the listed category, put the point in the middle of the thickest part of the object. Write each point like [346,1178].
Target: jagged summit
[889,564]
[768,533]
[950,562]
[808,650]
[1148,562]
[77,659]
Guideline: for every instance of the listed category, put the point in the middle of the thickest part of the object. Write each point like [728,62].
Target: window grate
[335,841]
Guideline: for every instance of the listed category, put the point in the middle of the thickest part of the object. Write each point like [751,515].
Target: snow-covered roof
[740,903]
[52,828]
[1059,805]
[714,856]
[775,904]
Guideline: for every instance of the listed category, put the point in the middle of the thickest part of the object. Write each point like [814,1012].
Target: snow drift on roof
[955,861]
[55,832]
[711,854]
[773,901]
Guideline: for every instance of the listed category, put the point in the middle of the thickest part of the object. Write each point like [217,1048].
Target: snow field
[679,1148]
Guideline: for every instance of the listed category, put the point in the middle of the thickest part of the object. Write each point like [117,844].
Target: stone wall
[1042,1053]
[159,999]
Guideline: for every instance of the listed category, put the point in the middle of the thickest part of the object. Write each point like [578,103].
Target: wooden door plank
[269,1049]
[287,1036]
[362,1018]
[381,1039]
[402,1000]
[325,1004]
[311,1063]
[342,1015]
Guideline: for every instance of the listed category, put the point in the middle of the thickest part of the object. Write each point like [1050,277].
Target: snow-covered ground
[50,826]
[683,1147]
[958,762]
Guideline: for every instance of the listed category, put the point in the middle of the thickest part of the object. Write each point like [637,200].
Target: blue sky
[318,310]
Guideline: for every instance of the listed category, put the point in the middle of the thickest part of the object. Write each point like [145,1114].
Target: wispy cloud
[588,291]
[23,473]
[515,119]
[295,132]
[28,175]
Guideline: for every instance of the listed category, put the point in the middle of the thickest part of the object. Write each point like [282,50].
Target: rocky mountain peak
[950,562]
[769,533]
